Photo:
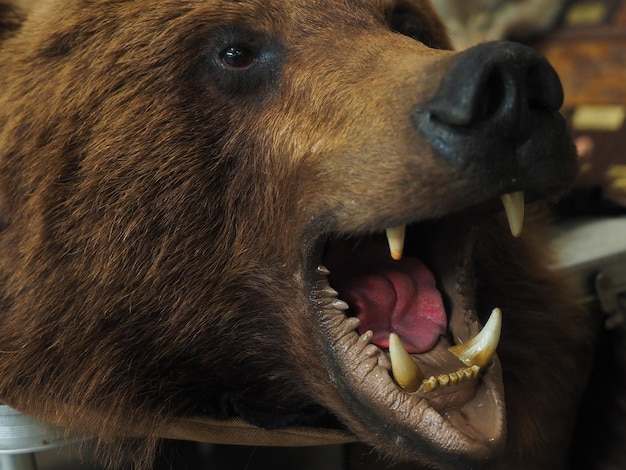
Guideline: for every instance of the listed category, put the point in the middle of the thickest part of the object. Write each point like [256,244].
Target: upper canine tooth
[405,371]
[395,238]
[514,208]
[479,350]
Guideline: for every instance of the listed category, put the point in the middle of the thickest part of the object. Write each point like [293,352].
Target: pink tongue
[390,296]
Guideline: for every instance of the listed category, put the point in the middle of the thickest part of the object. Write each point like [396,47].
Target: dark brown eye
[406,21]
[237,58]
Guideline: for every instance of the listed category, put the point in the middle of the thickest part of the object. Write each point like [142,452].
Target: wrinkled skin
[169,174]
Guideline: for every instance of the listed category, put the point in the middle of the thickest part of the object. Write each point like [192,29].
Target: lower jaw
[464,421]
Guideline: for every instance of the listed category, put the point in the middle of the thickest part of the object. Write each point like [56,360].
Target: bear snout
[506,81]
[495,118]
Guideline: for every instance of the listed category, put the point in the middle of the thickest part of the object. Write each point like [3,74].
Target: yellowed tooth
[395,238]
[514,208]
[479,350]
[404,369]
[430,384]
[454,378]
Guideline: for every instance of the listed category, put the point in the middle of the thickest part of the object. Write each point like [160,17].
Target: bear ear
[12,15]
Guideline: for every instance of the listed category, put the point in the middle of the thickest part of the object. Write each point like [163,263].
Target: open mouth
[404,337]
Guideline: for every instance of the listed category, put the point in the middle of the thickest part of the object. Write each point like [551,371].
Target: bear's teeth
[514,208]
[453,378]
[479,350]
[476,353]
[323,270]
[395,238]
[403,368]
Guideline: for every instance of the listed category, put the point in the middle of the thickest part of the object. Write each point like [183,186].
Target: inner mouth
[406,333]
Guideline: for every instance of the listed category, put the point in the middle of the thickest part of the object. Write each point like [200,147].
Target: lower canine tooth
[404,369]
[479,350]
[395,238]
[514,208]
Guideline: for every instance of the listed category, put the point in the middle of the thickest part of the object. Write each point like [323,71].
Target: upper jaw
[456,403]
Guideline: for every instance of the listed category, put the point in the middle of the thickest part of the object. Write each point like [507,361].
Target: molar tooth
[475,370]
[479,350]
[430,384]
[443,380]
[395,238]
[514,208]
[403,368]
[454,378]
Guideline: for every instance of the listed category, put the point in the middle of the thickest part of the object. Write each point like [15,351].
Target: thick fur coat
[170,175]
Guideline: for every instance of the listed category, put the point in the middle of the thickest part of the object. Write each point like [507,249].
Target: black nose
[497,85]
[494,111]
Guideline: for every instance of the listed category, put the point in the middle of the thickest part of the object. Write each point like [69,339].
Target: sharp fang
[514,208]
[479,350]
[403,368]
[395,238]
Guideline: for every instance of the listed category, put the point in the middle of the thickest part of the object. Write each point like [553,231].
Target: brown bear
[194,198]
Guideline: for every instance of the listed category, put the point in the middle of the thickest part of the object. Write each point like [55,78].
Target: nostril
[494,113]
[495,88]
[479,98]
[543,87]
[490,97]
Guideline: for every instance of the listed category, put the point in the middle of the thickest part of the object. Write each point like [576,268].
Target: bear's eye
[406,21]
[241,62]
[237,58]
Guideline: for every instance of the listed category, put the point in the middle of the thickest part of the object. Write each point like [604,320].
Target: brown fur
[152,215]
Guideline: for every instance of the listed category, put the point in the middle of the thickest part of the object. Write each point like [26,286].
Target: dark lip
[455,276]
